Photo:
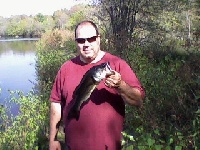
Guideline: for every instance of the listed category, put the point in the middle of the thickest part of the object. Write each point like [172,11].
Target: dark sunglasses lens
[92,39]
[80,41]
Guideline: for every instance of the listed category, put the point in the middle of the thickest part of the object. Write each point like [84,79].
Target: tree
[61,17]
[79,13]
[122,17]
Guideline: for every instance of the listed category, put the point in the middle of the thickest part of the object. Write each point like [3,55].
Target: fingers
[113,81]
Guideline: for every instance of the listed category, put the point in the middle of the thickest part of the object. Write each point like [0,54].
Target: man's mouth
[87,51]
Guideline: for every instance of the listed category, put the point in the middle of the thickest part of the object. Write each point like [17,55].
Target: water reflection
[17,68]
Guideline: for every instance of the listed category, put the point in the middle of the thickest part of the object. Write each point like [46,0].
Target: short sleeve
[130,77]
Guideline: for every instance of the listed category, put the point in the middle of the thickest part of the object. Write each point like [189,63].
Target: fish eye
[104,65]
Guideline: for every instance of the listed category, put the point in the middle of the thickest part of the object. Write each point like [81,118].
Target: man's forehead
[85,31]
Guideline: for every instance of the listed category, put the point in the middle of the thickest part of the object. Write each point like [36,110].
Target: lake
[17,68]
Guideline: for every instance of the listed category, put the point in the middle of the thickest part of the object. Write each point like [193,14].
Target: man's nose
[86,43]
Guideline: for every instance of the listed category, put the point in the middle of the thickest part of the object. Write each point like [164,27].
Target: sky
[10,8]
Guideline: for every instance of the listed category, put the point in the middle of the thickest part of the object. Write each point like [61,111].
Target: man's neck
[98,58]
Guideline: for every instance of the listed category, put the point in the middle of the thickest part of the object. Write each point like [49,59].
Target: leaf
[158,147]
[178,148]
[150,141]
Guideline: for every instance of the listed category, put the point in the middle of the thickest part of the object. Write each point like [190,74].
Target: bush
[28,130]
[53,49]
[170,116]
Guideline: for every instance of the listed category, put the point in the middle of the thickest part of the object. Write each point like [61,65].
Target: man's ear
[98,39]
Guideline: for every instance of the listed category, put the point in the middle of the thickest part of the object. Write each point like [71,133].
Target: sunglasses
[90,39]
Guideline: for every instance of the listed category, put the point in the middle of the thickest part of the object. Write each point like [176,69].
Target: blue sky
[33,7]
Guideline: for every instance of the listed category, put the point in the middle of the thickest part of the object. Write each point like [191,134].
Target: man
[101,119]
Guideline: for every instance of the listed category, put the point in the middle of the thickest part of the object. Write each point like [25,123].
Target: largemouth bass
[87,85]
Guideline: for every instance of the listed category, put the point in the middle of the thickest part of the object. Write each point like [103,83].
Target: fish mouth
[108,69]
[102,72]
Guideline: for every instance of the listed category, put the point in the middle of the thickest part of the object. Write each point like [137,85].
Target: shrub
[29,129]
[170,115]
[53,49]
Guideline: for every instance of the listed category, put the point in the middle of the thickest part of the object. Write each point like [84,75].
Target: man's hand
[130,95]
[54,145]
[114,80]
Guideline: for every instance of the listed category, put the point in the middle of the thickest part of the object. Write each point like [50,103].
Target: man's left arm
[130,95]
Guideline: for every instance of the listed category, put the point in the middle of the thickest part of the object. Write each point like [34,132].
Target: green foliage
[14,29]
[53,50]
[34,26]
[170,115]
[75,19]
[29,129]
[164,53]
[47,66]
[3,117]
[167,66]
[56,40]
[40,17]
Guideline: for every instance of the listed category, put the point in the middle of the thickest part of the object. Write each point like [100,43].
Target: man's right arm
[55,117]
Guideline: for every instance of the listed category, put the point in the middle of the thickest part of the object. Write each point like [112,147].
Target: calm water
[17,68]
